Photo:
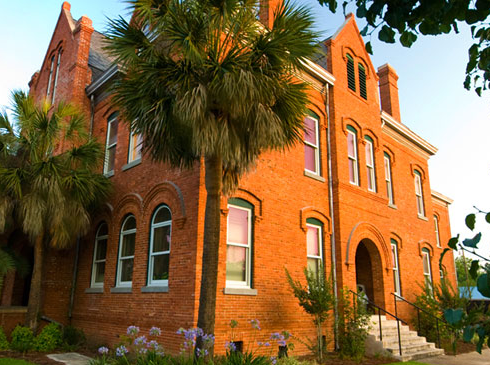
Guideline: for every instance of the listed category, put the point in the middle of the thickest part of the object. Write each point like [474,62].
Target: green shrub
[49,339]
[4,344]
[22,339]
[73,338]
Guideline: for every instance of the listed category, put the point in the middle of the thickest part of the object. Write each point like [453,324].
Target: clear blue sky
[433,101]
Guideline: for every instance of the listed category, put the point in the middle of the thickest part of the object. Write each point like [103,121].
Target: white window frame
[436,228]
[389,182]
[353,159]
[419,194]
[152,254]
[132,147]
[119,283]
[315,146]
[56,76]
[396,269]
[370,168]
[320,244]
[427,275]
[48,92]
[98,238]
[248,256]
[110,122]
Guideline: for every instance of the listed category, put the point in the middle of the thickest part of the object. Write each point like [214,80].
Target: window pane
[313,265]
[101,249]
[387,168]
[312,243]
[126,270]
[128,245]
[369,154]
[417,185]
[111,157]
[163,215]
[160,267]
[351,148]
[426,263]
[129,224]
[236,263]
[99,272]
[161,239]
[310,163]
[310,130]
[393,256]
[238,226]
[112,132]
[352,171]
[136,145]
[370,178]
[103,230]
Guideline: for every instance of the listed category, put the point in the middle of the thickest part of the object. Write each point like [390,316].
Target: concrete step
[389,333]
[411,349]
[419,355]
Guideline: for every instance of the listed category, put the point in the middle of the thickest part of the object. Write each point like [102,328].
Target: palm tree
[205,80]
[48,193]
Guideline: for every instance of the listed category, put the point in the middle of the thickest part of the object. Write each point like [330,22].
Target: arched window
[312,145]
[419,194]
[314,245]
[436,229]
[127,243]
[388,180]
[56,75]
[370,167]
[352,155]
[239,244]
[50,77]
[110,145]
[161,231]
[396,268]
[135,147]
[351,75]
[362,80]
[100,251]
[426,266]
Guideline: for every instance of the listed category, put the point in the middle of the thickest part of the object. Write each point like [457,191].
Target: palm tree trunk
[209,278]
[34,305]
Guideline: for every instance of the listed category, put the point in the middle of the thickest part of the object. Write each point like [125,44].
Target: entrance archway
[369,271]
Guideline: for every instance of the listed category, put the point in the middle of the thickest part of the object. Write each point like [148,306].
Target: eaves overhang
[102,80]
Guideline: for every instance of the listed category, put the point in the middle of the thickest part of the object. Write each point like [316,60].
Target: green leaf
[483,285]
[478,90]
[444,252]
[470,221]
[364,31]
[468,333]
[472,242]
[361,11]
[453,316]
[408,38]
[481,338]
[453,242]
[386,34]
[487,217]
[369,48]
[475,266]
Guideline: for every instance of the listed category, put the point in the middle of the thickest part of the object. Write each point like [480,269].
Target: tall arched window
[312,145]
[419,194]
[56,75]
[436,228]
[110,145]
[396,268]
[352,155]
[100,251]
[127,242]
[388,180]
[362,80]
[370,167]
[50,77]
[161,230]
[314,245]
[426,266]
[351,75]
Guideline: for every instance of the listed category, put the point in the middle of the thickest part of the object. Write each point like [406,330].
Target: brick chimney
[388,89]
[266,11]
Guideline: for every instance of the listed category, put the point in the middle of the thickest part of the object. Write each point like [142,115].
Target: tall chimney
[266,11]
[388,89]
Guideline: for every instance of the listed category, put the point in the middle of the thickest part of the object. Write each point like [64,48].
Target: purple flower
[282,343]
[230,346]
[138,341]
[155,331]
[201,353]
[273,360]
[143,351]
[265,344]
[103,350]
[277,336]
[133,330]
[255,324]
[121,351]
[153,345]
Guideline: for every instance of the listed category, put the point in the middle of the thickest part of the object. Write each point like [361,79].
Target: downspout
[332,217]
[92,111]
[74,280]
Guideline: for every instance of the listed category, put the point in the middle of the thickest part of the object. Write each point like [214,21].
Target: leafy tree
[48,194]
[10,261]
[204,81]
[463,267]
[406,19]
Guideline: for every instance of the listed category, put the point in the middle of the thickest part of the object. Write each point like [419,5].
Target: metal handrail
[418,317]
[398,320]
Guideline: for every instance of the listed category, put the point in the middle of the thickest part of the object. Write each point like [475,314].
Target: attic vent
[362,81]
[351,76]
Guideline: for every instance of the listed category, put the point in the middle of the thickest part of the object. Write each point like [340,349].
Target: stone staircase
[413,346]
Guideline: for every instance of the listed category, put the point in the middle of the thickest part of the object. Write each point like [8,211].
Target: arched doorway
[369,271]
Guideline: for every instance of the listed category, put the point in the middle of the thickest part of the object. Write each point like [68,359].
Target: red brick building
[356,196]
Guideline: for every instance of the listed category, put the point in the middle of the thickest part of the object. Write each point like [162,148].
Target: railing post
[419,330]
[380,329]
[398,327]
[438,336]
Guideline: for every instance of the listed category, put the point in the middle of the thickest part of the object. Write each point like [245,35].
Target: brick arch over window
[312,212]
[133,200]
[416,167]
[171,194]
[348,122]
[249,197]
[398,240]
[364,230]
[426,245]
[369,133]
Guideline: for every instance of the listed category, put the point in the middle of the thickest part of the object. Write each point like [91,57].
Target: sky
[433,102]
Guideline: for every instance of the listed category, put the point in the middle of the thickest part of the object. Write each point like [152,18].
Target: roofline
[408,134]
[106,76]
[442,197]
[319,71]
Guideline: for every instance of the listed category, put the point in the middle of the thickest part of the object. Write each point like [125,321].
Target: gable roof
[99,59]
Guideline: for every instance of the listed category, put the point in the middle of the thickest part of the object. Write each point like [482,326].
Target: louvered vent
[351,76]
[362,81]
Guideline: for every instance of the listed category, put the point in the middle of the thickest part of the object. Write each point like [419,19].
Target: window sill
[94,290]
[154,289]
[392,206]
[109,174]
[240,291]
[122,289]
[131,164]
[314,176]
[422,217]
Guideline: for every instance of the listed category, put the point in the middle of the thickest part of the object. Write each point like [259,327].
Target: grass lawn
[395,363]
[7,361]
